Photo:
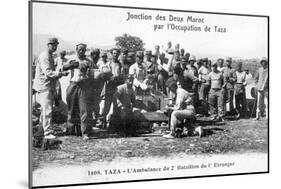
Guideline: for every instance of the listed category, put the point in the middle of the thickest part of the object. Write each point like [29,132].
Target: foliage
[129,42]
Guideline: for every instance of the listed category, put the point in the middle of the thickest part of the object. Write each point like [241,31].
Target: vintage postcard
[122,94]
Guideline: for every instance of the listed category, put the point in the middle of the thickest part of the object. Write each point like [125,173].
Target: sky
[245,37]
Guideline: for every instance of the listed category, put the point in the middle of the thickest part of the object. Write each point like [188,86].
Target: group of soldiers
[104,87]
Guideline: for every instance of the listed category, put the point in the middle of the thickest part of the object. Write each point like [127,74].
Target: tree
[129,42]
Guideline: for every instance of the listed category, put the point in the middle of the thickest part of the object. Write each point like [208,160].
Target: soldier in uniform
[61,60]
[220,64]
[139,71]
[80,94]
[203,73]
[111,86]
[216,94]
[261,78]
[46,78]
[125,107]
[229,81]
[190,66]
[95,56]
[182,110]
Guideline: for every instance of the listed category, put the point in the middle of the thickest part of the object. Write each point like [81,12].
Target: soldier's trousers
[262,100]
[46,100]
[229,99]
[216,102]
[240,102]
[106,107]
[80,106]
[178,116]
[203,91]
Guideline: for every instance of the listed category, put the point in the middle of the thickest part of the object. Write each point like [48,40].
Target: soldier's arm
[170,64]
[132,70]
[209,79]
[256,76]
[179,101]
[223,82]
[133,99]
[117,96]
[47,70]
[195,81]
[234,76]
[71,64]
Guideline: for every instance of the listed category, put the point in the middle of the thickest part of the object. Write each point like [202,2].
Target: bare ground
[239,136]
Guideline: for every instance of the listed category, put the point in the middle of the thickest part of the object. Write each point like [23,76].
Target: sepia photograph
[124,94]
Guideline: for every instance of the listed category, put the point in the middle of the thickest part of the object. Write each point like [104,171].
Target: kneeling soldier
[183,110]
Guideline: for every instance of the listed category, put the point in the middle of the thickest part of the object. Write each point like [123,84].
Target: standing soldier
[216,94]
[169,49]
[60,61]
[123,58]
[191,67]
[147,58]
[80,94]
[139,71]
[103,63]
[45,81]
[104,66]
[240,95]
[203,73]
[95,56]
[229,81]
[182,51]
[111,86]
[157,51]
[177,47]
[262,87]
[152,71]
[220,64]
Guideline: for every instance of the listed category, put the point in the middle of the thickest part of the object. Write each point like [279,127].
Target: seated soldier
[125,109]
[183,110]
